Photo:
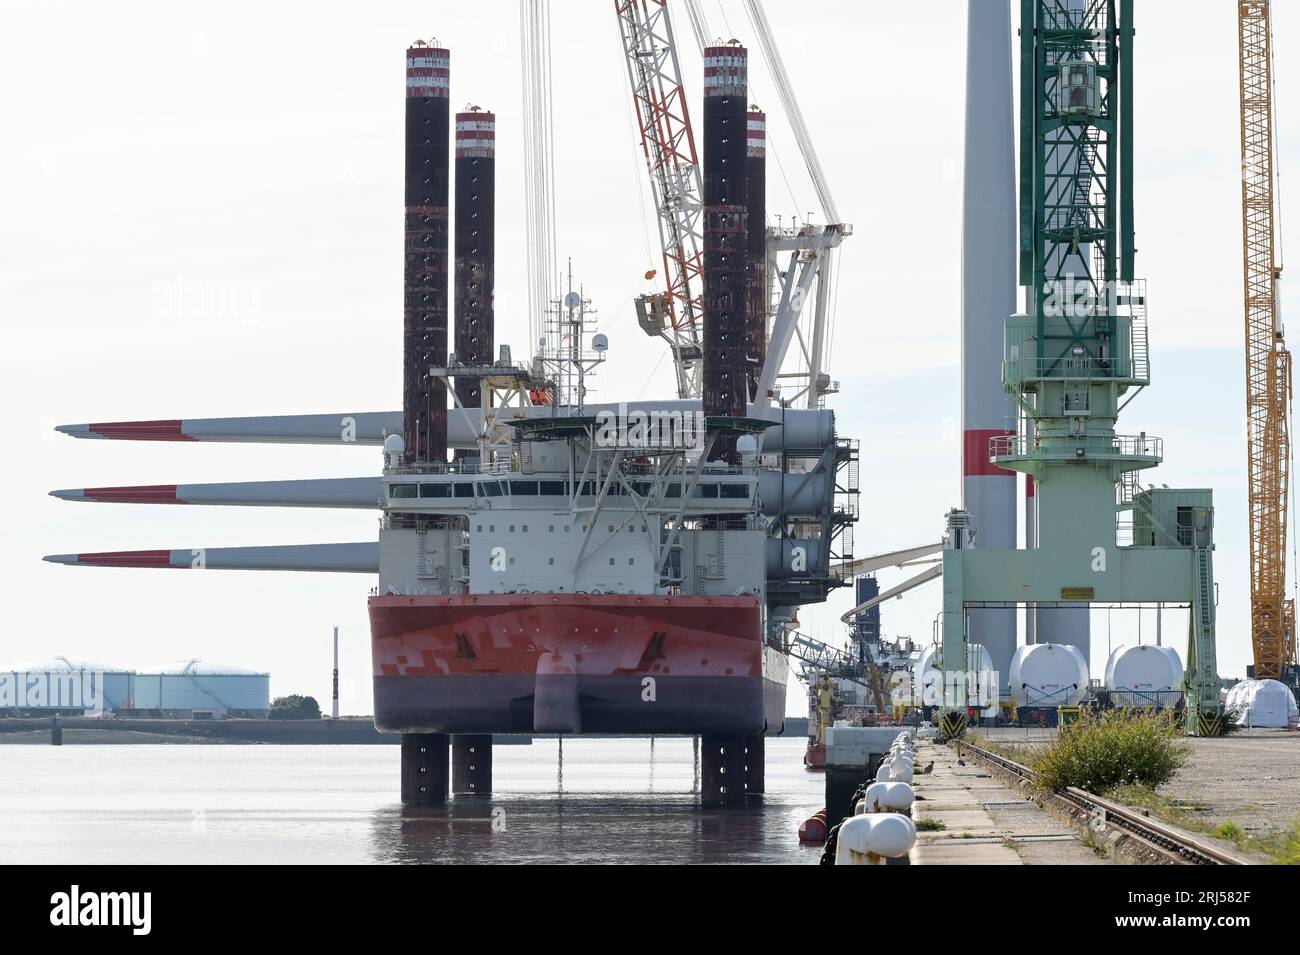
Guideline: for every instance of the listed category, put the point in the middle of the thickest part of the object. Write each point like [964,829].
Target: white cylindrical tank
[1264,703]
[927,681]
[1144,675]
[203,688]
[1048,675]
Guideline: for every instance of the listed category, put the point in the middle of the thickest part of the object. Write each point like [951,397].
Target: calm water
[614,801]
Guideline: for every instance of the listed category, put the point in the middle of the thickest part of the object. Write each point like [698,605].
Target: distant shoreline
[82,731]
[349,731]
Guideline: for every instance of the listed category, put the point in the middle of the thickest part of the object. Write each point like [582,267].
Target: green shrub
[1230,722]
[1113,748]
[929,825]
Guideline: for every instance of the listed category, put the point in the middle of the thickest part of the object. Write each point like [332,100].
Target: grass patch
[1229,830]
[929,825]
[1102,751]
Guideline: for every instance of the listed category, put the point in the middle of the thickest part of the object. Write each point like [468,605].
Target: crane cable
[539,165]
[776,68]
[700,28]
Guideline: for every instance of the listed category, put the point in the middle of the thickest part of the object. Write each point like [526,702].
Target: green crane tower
[1074,360]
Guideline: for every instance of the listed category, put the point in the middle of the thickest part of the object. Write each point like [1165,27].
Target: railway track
[1160,840]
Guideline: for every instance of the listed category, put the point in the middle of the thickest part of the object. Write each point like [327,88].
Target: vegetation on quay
[1102,751]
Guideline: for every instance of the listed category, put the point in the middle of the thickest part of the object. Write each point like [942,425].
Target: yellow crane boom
[1268,363]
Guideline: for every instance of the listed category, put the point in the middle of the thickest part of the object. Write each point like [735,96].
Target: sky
[203,217]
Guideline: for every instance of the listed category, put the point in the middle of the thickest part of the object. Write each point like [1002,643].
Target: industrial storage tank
[927,680]
[1048,675]
[203,690]
[1144,675]
[66,684]
[1265,703]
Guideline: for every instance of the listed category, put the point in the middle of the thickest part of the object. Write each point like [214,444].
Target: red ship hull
[592,663]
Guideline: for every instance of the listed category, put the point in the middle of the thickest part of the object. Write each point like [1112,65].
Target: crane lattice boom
[1268,363]
[664,124]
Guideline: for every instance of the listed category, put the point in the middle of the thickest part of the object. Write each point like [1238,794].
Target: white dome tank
[1265,703]
[1144,675]
[1048,675]
[928,680]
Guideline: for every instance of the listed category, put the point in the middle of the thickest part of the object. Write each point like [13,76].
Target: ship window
[672,490]
[553,487]
[706,490]
[404,490]
[551,561]
[611,562]
[631,561]
[512,528]
[464,489]
[588,489]
[528,488]
[488,488]
[429,489]
[480,528]
[525,528]
[734,490]
[611,528]
[550,528]
[566,528]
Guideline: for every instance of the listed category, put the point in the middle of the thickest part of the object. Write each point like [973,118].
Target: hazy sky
[203,216]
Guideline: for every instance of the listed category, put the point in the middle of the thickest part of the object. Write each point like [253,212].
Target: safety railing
[1077,445]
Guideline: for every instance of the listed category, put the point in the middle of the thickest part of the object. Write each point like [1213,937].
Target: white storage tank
[67,684]
[1144,675]
[1048,675]
[927,680]
[198,689]
[1265,703]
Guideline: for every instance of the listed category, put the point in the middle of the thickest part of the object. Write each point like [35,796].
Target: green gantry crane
[1074,359]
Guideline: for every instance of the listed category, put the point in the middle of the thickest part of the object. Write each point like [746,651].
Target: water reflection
[596,802]
[585,827]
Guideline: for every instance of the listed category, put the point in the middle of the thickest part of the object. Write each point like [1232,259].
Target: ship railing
[634,467]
